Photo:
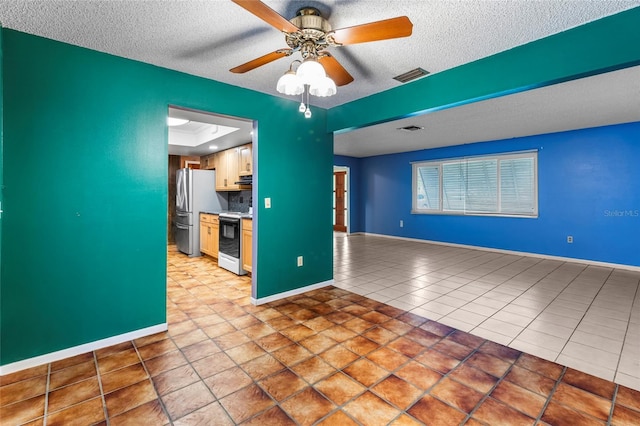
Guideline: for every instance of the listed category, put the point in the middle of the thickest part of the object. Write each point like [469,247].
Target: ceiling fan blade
[338,74]
[374,31]
[262,60]
[267,14]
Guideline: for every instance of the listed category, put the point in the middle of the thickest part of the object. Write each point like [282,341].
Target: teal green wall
[1,169]
[85,194]
[604,45]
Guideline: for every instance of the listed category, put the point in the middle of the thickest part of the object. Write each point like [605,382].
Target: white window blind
[427,186]
[503,184]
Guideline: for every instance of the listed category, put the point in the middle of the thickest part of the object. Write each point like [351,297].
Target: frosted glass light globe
[323,87]
[290,84]
[310,71]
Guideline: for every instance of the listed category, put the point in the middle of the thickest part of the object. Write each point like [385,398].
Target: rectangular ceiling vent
[410,128]
[411,75]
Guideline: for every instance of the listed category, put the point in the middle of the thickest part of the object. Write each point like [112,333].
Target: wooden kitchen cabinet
[208,162]
[209,228]
[227,170]
[247,247]
[245,160]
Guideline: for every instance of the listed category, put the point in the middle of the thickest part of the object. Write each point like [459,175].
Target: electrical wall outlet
[570,239]
[299,260]
[267,203]
[402,224]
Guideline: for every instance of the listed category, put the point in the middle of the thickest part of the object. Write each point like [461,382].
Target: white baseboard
[81,349]
[517,253]
[290,293]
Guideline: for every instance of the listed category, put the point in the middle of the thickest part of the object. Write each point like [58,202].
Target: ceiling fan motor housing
[313,27]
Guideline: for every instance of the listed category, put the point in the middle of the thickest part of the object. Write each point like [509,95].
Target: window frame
[533,154]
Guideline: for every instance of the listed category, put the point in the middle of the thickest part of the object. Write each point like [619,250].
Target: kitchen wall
[86,216]
[587,188]
[240,201]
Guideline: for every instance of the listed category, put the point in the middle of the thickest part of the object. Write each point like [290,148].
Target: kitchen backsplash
[240,201]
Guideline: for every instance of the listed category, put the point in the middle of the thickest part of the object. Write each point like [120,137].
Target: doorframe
[254,188]
[347,201]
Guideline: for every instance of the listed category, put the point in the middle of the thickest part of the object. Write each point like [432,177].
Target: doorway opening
[341,199]
[211,168]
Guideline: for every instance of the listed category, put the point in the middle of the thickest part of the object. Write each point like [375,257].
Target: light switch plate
[267,203]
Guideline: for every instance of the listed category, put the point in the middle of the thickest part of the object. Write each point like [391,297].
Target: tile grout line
[553,391]
[547,305]
[488,393]
[102,396]
[391,372]
[46,395]
[189,362]
[496,287]
[360,357]
[582,318]
[510,302]
[364,357]
[613,404]
[169,336]
[626,332]
[164,409]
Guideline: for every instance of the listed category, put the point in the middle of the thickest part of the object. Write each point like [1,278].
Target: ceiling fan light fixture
[290,84]
[310,71]
[323,87]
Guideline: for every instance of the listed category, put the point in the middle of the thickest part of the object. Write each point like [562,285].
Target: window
[504,185]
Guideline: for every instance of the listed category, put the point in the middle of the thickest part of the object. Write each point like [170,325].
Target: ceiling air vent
[411,75]
[410,128]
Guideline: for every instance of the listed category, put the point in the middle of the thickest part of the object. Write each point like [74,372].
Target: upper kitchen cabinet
[227,170]
[245,157]
[208,162]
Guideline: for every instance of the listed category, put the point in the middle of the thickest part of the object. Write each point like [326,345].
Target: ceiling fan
[311,34]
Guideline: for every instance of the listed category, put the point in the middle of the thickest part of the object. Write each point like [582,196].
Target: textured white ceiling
[600,100]
[207,38]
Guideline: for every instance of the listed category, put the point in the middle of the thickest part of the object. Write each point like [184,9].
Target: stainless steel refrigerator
[195,193]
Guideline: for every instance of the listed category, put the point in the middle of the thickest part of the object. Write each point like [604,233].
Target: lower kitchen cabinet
[209,227]
[247,237]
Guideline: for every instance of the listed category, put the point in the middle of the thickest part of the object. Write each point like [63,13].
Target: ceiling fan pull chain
[307,113]
[302,108]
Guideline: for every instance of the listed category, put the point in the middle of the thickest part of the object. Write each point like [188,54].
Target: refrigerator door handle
[181,226]
[182,214]
[185,186]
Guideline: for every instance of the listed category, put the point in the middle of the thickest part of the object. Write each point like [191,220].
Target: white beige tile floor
[584,316]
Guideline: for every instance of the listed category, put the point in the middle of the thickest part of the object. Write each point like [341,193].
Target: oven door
[230,236]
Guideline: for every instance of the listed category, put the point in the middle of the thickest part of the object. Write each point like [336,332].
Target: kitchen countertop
[242,215]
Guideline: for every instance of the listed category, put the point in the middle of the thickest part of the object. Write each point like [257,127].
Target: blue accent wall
[588,186]
[356,221]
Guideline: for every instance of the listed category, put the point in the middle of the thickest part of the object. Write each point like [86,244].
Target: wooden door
[339,192]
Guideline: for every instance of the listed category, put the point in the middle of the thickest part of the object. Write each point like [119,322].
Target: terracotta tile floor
[328,357]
